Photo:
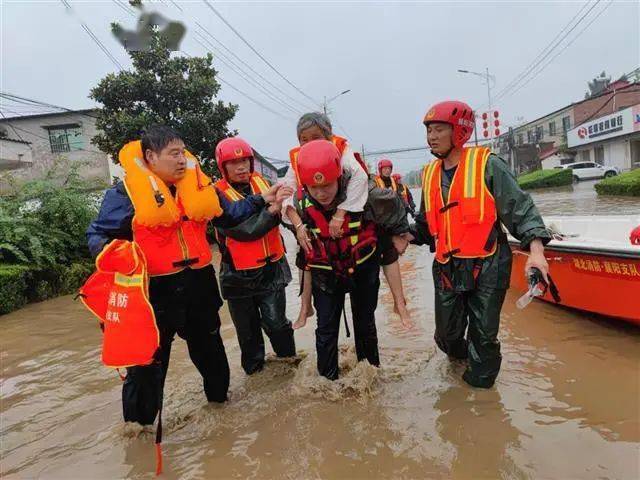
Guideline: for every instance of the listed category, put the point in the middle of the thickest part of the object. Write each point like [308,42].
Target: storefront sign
[620,123]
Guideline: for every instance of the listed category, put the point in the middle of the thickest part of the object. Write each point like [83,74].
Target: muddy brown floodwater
[566,404]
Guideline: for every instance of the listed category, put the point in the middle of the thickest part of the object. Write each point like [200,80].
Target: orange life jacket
[380,183]
[342,255]
[254,254]
[462,227]
[339,142]
[171,232]
[404,193]
[118,294]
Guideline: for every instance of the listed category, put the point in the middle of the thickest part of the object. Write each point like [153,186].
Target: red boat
[593,264]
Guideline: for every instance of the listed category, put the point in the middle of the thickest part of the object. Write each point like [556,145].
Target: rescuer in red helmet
[405,194]
[253,269]
[347,263]
[467,192]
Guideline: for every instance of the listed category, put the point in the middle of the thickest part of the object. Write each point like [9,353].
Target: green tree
[179,92]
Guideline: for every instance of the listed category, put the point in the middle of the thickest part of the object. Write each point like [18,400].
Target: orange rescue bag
[118,294]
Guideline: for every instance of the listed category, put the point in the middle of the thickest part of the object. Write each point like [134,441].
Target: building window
[539,133]
[552,129]
[520,139]
[529,136]
[585,156]
[566,161]
[598,155]
[65,138]
[566,124]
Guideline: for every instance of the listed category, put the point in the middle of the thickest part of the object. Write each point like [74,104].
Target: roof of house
[48,114]
[6,139]
[548,153]
[264,160]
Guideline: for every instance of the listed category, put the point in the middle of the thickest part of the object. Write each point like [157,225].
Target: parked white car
[590,170]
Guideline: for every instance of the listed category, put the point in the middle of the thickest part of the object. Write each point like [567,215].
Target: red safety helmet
[319,163]
[635,236]
[385,162]
[457,114]
[397,177]
[232,149]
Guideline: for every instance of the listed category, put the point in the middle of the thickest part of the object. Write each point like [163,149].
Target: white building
[14,154]
[59,139]
[609,140]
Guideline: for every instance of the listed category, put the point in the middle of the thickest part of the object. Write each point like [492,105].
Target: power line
[28,101]
[563,49]
[208,4]
[541,53]
[238,70]
[124,7]
[12,127]
[257,102]
[176,5]
[239,59]
[93,37]
[542,56]
[273,85]
[254,100]
[242,72]
[394,150]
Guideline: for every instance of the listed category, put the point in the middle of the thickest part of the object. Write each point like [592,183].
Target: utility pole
[487,77]
[327,102]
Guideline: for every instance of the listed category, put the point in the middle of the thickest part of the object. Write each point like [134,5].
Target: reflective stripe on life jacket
[341,255]
[404,193]
[171,232]
[380,183]
[463,225]
[118,294]
[339,142]
[253,254]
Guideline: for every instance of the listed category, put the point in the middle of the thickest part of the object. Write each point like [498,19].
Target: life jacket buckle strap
[451,253]
[186,262]
[448,206]
[491,240]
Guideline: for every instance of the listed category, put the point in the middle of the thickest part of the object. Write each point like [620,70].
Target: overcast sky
[396,58]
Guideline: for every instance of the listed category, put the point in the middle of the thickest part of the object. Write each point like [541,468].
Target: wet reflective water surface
[566,404]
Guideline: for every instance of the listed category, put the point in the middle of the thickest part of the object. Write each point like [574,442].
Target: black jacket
[245,283]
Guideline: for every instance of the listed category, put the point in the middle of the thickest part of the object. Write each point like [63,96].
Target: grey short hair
[315,119]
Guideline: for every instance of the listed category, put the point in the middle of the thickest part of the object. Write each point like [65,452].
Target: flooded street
[566,404]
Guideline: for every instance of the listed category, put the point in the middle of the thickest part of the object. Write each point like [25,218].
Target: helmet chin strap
[442,156]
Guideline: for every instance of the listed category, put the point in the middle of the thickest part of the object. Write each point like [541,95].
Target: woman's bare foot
[305,313]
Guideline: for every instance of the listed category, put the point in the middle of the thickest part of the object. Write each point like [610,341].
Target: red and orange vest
[461,225]
[342,255]
[404,193]
[254,254]
[380,183]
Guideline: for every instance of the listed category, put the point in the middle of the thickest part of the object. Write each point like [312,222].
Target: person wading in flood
[315,126]
[182,289]
[472,264]
[253,269]
[349,263]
